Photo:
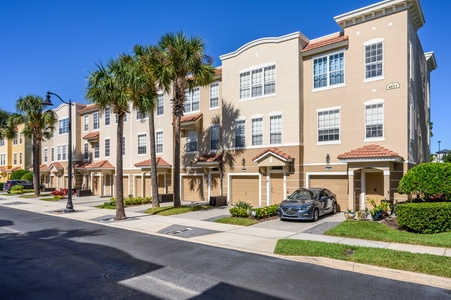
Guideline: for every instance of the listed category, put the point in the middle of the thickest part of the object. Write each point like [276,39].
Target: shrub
[424,217]
[244,205]
[61,193]
[428,180]
[1,186]
[28,176]
[18,174]
[239,212]
[266,212]
[17,189]
[132,200]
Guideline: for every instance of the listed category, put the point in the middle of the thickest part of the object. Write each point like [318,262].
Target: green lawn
[236,221]
[379,232]
[420,263]
[170,210]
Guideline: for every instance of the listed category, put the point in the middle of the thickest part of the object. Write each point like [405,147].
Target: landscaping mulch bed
[391,222]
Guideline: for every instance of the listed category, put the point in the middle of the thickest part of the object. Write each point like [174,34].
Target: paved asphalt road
[47,257]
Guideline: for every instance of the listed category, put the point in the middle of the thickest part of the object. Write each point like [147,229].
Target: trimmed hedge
[1,186]
[28,176]
[16,189]
[239,212]
[266,212]
[428,217]
[132,201]
[18,174]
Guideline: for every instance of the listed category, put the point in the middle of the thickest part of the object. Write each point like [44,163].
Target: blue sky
[52,45]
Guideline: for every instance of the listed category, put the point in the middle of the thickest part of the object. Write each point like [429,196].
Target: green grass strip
[236,221]
[170,210]
[376,231]
[420,263]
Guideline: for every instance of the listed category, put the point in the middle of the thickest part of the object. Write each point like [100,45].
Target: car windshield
[303,194]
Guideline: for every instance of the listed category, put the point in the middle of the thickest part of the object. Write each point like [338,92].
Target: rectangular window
[20,138]
[123,145]
[2,159]
[329,125]
[214,137]
[275,129]
[160,105]
[258,82]
[373,60]
[142,145]
[374,120]
[95,122]
[15,139]
[191,141]
[257,131]
[86,117]
[214,95]
[58,152]
[2,142]
[125,118]
[141,115]
[240,134]
[107,116]
[107,147]
[53,154]
[63,125]
[15,158]
[64,151]
[192,101]
[328,70]
[46,154]
[86,151]
[20,157]
[159,141]
[96,150]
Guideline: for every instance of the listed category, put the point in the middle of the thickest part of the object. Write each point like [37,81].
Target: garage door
[125,187]
[245,188]
[215,184]
[138,186]
[337,184]
[192,188]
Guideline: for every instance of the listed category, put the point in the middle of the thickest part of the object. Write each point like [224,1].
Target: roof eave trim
[263,156]
[371,159]
[326,48]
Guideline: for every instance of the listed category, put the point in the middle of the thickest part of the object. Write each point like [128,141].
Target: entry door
[375,185]
[108,185]
[277,195]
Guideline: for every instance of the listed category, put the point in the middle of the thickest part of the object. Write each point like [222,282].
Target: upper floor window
[160,104]
[257,131]
[240,134]
[96,149]
[214,95]
[2,159]
[125,118]
[329,125]
[107,116]
[58,152]
[214,137]
[107,147]
[328,70]
[96,122]
[191,141]
[46,154]
[86,151]
[15,139]
[2,142]
[141,115]
[20,137]
[159,141]
[142,145]
[86,125]
[275,129]
[63,126]
[374,58]
[64,151]
[15,158]
[20,157]
[52,153]
[374,120]
[192,101]
[258,82]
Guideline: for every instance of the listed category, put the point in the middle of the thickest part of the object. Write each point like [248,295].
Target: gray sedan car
[308,204]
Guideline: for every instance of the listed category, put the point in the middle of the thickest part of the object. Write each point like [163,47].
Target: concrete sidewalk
[261,239]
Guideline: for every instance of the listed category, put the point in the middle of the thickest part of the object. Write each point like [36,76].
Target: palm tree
[39,125]
[6,126]
[145,100]
[184,65]
[109,86]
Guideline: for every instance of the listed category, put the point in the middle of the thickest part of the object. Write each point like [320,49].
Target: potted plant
[350,215]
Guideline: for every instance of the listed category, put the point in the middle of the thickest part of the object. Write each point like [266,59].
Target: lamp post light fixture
[69,205]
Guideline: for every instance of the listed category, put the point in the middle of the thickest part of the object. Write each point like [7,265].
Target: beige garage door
[245,188]
[125,187]
[192,188]
[337,184]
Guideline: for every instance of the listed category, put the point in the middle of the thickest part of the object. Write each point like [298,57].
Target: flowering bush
[61,193]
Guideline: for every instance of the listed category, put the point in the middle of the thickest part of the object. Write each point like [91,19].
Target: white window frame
[58,153]
[328,62]
[257,130]
[15,139]
[86,151]
[160,104]
[52,154]
[63,126]
[46,154]
[107,143]
[258,82]
[141,116]
[240,133]
[107,116]
[96,121]
[86,125]
[96,148]
[214,95]
[324,124]
[64,152]
[192,100]
[370,43]
[215,140]
[372,104]
[275,129]
[191,141]
[159,137]
[20,157]
[142,144]
[15,158]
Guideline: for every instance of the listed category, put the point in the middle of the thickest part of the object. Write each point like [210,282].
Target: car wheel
[315,215]
[334,209]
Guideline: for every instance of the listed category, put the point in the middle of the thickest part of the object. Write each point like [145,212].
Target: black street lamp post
[69,205]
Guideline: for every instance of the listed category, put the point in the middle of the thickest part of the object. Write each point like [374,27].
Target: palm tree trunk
[120,211]
[153,160]
[177,202]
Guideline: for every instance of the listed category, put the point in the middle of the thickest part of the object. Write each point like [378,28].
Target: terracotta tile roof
[372,151]
[91,136]
[218,71]
[2,169]
[57,166]
[191,118]
[81,165]
[103,164]
[275,151]
[13,169]
[44,168]
[210,158]
[146,163]
[88,108]
[325,42]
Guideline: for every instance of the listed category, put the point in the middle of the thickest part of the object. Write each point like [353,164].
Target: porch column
[143,184]
[351,190]
[387,184]
[363,193]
